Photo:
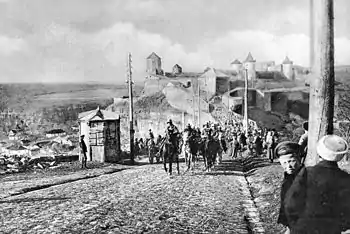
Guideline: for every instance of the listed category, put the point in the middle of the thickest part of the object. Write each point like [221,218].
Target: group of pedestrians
[314,199]
[256,140]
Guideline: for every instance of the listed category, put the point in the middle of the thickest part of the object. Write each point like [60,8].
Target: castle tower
[287,68]
[249,64]
[177,69]
[154,64]
[236,65]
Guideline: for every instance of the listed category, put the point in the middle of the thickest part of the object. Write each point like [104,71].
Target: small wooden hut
[102,135]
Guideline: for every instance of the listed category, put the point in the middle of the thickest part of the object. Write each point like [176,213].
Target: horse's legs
[164,160]
[187,160]
[178,164]
[171,163]
[150,156]
[193,161]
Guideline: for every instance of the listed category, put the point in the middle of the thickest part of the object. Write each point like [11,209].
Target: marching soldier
[159,140]
[151,136]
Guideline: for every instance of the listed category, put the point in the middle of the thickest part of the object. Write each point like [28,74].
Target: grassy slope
[33,97]
[44,106]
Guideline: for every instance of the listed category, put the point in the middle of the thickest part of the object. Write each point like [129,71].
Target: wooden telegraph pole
[245,123]
[312,34]
[194,105]
[321,110]
[199,104]
[131,108]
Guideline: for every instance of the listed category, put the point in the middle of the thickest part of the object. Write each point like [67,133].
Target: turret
[154,64]
[287,68]
[249,65]
[177,69]
[236,65]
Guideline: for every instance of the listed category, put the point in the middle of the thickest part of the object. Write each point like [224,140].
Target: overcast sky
[88,40]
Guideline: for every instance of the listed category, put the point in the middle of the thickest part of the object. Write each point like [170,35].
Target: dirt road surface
[138,200]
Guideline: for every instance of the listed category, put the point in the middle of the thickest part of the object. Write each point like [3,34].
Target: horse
[190,149]
[169,154]
[211,148]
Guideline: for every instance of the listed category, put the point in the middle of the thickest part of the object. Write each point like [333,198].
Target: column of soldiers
[231,136]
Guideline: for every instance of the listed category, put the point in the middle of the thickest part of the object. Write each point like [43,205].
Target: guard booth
[102,135]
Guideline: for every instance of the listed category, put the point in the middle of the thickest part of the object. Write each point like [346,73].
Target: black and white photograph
[174,116]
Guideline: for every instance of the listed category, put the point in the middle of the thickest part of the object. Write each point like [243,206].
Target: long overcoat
[319,200]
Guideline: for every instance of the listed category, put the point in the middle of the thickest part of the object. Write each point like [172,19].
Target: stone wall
[252,100]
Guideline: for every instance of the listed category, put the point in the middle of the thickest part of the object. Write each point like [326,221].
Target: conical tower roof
[153,55]
[236,62]
[287,61]
[249,59]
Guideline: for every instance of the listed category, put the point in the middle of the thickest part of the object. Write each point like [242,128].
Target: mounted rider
[214,131]
[190,130]
[172,132]
[207,132]
[222,139]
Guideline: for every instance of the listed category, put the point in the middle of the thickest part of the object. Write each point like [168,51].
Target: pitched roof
[249,58]
[14,131]
[287,61]
[236,62]
[101,114]
[221,72]
[153,55]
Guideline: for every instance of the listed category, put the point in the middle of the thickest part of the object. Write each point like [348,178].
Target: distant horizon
[65,82]
[119,83]
[56,41]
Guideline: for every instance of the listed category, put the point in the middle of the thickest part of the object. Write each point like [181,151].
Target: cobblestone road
[140,200]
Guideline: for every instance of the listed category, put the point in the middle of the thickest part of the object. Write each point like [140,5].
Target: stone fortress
[272,87]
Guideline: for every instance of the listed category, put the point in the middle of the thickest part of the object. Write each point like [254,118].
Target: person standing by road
[319,199]
[287,153]
[83,150]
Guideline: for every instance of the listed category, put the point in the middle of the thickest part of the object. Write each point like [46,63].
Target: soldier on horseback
[172,132]
[189,130]
[207,132]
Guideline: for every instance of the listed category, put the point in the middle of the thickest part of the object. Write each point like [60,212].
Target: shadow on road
[228,167]
[251,164]
[38,199]
[238,167]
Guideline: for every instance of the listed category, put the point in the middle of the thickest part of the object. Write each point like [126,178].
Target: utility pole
[194,105]
[199,104]
[245,123]
[321,107]
[312,34]
[131,108]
